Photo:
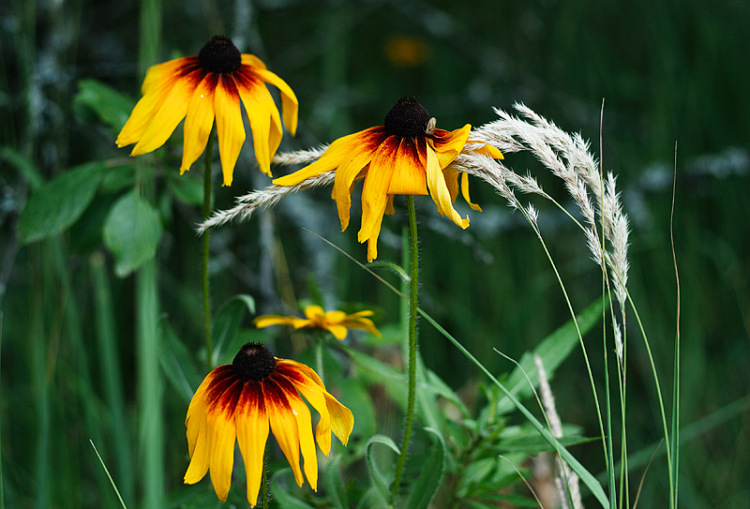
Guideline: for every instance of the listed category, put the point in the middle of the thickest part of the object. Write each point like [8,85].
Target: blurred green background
[670,73]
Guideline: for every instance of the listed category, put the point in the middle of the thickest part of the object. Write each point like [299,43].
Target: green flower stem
[413,293]
[205,253]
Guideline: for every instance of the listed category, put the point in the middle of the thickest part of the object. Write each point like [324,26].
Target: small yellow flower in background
[336,322]
[199,88]
[240,400]
[406,155]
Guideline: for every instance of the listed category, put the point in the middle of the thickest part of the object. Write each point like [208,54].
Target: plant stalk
[412,338]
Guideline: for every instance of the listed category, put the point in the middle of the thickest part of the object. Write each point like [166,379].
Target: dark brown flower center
[253,362]
[220,55]
[407,118]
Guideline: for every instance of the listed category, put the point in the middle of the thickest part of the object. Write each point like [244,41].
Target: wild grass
[83,349]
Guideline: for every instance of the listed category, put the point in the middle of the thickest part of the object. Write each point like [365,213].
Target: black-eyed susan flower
[406,155]
[201,88]
[241,401]
[336,322]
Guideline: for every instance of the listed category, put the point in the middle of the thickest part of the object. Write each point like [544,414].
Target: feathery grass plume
[564,475]
[566,155]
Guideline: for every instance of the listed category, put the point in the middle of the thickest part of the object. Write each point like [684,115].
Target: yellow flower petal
[313,311]
[339,331]
[248,59]
[221,432]
[408,172]
[199,121]
[304,431]
[251,421]
[350,169]
[259,107]
[166,118]
[289,102]
[159,73]
[377,182]
[283,425]
[266,320]
[228,125]
[465,191]
[488,150]
[448,145]
[439,190]
[197,437]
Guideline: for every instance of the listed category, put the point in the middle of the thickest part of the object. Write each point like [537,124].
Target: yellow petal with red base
[252,426]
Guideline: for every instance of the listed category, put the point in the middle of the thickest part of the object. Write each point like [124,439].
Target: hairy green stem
[412,367]
[205,253]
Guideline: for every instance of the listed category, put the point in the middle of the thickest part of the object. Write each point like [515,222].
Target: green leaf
[185,189]
[372,500]
[23,165]
[430,477]
[379,480]
[282,495]
[177,362]
[132,233]
[553,350]
[109,105]
[226,325]
[57,204]
[334,484]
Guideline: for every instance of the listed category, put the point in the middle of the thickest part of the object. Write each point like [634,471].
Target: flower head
[240,400]
[406,155]
[336,322]
[199,88]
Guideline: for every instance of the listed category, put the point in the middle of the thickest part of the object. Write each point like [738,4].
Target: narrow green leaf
[226,325]
[111,481]
[334,484]
[578,468]
[60,202]
[379,480]
[430,477]
[553,350]
[177,362]
[109,105]
[132,233]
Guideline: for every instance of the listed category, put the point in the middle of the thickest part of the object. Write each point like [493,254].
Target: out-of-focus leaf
[109,105]
[23,165]
[58,203]
[282,495]
[431,475]
[553,350]
[132,233]
[334,484]
[226,325]
[177,363]
[378,479]
[187,190]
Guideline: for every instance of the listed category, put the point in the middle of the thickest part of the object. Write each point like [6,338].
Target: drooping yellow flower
[201,88]
[406,155]
[241,400]
[336,322]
